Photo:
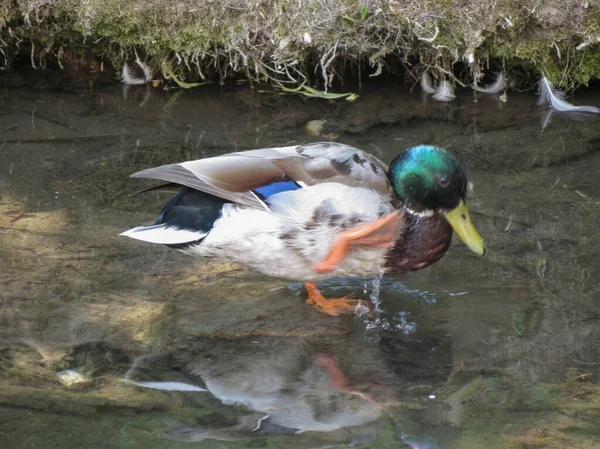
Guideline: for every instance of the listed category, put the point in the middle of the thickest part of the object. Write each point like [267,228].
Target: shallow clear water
[498,352]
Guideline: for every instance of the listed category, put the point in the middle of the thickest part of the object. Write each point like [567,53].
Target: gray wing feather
[233,176]
[180,175]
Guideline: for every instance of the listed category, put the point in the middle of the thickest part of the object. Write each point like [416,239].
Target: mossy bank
[323,42]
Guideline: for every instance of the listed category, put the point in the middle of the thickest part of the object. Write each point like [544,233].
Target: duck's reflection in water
[289,387]
[289,395]
[319,400]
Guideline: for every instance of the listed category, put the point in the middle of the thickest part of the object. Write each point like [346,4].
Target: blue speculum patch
[277,187]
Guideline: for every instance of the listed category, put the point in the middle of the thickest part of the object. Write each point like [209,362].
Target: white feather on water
[546,118]
[127,77]
[130,79]
[444,92]
[145,68]
[553,96]
[426,84]
[167,386]
[494,88]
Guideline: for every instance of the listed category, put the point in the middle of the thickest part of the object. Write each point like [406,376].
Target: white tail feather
[163,235]
[444,92]
[553,96]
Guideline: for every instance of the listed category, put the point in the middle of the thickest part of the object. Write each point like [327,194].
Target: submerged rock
[73,379]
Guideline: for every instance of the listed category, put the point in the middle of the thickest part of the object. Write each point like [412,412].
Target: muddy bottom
[107,342]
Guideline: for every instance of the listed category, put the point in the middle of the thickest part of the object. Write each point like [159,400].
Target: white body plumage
[288,239]
[298,232]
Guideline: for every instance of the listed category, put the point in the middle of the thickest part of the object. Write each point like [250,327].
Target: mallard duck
[316,211]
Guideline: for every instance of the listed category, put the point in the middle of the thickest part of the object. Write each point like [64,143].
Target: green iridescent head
[429,178]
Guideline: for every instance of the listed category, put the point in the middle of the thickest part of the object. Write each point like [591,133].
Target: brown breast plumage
[424,241]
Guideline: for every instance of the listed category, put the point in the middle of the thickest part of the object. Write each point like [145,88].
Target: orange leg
[381,233]
[333,306]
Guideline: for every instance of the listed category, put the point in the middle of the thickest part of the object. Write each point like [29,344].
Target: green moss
[588,66]
[592,21]
[264,37]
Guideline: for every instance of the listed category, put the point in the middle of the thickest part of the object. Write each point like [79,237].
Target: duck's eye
[443,181]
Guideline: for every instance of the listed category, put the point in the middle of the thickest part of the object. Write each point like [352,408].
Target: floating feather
[494,88]
[137,361]
[444,92]
[145,68]
[168,386]
[546,118]
[554,97]
[426,83]
[127,77]
[130,78]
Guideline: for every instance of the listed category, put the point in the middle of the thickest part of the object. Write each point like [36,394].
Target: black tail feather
[192,210]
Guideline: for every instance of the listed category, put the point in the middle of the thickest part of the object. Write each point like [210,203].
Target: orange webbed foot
[333,306]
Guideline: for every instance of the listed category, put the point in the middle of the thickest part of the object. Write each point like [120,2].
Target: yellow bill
[460,221]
